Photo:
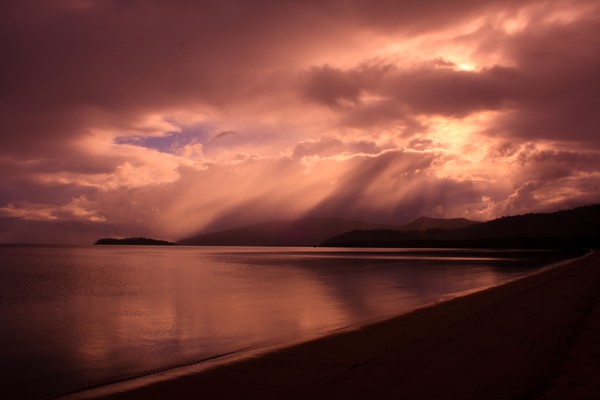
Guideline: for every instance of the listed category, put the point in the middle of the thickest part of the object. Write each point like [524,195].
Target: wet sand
[535,338]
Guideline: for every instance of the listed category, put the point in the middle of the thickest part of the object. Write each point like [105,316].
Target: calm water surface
[73,317]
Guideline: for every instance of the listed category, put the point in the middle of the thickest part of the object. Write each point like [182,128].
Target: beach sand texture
[535,338]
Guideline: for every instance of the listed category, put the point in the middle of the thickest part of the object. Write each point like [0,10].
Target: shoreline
[419,352]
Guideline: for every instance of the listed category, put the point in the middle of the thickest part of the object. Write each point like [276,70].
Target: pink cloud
[380,111]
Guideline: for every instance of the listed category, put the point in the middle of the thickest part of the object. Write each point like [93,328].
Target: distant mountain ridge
[424,223]
[306,231]
[575,227]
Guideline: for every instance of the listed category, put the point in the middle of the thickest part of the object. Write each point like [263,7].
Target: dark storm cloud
[548,89]
[559,88]
[306,85]
[429,89]
[335,87]
[70,66]
[448,92]
[553,101]
[554,164]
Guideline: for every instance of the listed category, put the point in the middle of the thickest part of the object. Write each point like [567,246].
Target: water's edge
[129,383]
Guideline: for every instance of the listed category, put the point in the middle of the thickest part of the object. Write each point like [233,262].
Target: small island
[137,241]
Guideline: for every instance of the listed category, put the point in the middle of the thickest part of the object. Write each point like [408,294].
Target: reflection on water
[78,316]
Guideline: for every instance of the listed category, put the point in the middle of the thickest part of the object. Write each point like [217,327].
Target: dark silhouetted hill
[135,241]
[303,232]
[568,228]
[424,223]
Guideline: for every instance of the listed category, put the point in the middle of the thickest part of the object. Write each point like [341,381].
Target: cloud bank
[167,118]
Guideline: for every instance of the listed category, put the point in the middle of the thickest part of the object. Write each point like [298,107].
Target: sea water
[76,317]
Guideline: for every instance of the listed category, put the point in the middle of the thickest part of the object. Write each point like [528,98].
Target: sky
[168,118]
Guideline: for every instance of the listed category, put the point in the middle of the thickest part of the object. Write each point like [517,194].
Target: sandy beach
[535,338]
